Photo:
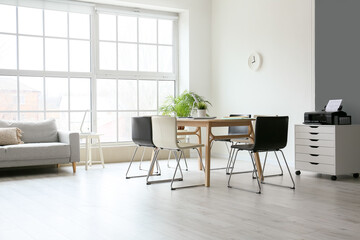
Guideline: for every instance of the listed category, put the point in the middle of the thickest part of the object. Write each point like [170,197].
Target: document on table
[333,105]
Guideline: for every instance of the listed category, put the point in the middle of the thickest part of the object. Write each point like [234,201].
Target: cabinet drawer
[315,158]
[319,168]
[315,128]
[316,136]
[315,142]
[315,150]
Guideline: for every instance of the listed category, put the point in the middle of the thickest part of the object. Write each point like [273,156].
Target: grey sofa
[43,145]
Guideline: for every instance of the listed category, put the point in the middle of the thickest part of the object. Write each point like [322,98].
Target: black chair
[233,130]
[142,137]
[270,135]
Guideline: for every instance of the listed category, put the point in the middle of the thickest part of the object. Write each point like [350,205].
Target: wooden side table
[88,137]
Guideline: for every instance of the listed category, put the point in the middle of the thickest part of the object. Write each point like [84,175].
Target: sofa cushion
[2,153]
[36,151]
[35,132]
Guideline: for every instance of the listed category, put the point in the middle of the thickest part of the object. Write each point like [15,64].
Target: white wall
[281,31]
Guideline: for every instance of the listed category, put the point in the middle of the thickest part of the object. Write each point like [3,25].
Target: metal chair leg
[178,166]
[161,180]
[231,173]
[227,165]
[168,163]
[273,175]
[249,171]
[157,173]
[292,179]
[142,157]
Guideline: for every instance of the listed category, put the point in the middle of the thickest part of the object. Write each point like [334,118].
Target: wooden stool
[88,137]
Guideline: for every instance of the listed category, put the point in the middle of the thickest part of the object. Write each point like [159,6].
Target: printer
[328,116]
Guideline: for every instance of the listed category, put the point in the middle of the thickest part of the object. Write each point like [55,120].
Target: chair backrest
[271,133]
[164,132]
[234,130]
[142,131]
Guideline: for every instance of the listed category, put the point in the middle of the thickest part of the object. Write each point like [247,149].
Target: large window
[58,63]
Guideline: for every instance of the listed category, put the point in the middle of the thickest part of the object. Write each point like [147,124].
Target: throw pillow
[10,136]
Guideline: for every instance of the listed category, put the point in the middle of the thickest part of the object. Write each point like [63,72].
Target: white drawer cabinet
[328,149]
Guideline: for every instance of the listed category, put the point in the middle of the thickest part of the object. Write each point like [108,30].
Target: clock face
[254,61]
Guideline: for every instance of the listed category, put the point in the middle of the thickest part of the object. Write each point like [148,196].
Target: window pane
[127,29]
[56,93]
[76,119]
[8,93]
[31,116]
[31,93]
[125,125]
[80,94]
[166,89]
[55,23]
[165,31]
[147,30]
[30,53]
[7,51]
[107,56]
[127,95]
[165,59]
[79,56]
[106,94]
[56,54]
[147,58]
[106,125]
[127,57]
[107,27]
[62,119]
[148,113]
[7,19]
[147,95]
[79,25]
[8,116]
[30,21]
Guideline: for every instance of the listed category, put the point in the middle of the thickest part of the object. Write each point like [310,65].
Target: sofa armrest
[73,139]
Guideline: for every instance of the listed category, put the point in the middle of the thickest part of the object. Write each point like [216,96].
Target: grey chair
[233,130]
[142,137]
[270,135]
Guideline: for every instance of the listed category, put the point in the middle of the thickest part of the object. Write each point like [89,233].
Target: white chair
[165,137]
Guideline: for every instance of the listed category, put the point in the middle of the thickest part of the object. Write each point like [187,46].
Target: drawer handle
[314,126]
[314,163]
[312,133]
[314,140]
[314,146]
[314,155]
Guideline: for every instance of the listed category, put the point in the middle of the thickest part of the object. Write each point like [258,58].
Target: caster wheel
[297,172]
[355,175]
[333,178]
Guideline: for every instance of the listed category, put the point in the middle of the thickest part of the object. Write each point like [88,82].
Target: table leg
[198,131]
[257,157]
[207,156]
[151,160]
[101,152]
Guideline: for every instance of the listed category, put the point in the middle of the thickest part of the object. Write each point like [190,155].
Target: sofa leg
[74,167]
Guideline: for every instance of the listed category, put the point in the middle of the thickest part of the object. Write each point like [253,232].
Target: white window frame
[95,73]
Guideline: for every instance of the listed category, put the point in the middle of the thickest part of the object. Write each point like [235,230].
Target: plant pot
[201,112]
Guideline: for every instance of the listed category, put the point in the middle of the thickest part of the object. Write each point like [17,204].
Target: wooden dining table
[208,124]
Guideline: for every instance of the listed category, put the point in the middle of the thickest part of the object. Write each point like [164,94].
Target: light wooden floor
[51,204]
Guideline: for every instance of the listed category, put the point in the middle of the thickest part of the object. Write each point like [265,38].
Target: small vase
[201,112]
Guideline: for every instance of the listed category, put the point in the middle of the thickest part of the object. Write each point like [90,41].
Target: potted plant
[201,109]
[181,105]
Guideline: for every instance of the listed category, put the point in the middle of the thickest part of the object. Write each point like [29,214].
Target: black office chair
[233,130]
[270,135]
[142,137]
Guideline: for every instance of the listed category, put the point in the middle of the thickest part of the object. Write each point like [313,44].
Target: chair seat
[247,147]
[189,145]
[242,140]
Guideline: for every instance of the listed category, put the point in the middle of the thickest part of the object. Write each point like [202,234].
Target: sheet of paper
[333,105]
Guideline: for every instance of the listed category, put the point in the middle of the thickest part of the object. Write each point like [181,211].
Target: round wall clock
[254,61]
